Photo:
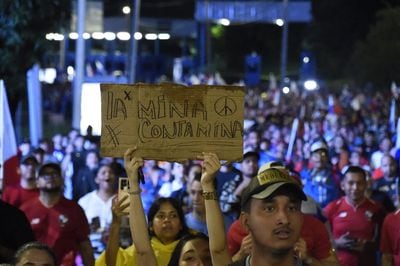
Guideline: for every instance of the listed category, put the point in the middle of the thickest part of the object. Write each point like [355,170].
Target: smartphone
[95,224]
[123,189]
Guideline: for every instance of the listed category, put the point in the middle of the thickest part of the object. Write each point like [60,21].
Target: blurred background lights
[310,85]
[279,22]
[163,36]
[73,35]
[109,36]
[98,35]
[150,36]
[126,10]
[138,35]
[285,90]
[224,22]
[123,35]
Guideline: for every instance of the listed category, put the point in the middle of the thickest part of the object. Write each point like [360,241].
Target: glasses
[49,175]
[321,153]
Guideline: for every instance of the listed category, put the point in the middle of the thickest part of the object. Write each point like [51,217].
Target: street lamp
[126,10]
[134,43]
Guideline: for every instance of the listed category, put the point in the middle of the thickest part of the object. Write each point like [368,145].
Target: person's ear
[342,184]
[19,170]
[244,221]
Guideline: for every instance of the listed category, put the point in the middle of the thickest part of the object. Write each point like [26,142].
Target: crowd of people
[318,185]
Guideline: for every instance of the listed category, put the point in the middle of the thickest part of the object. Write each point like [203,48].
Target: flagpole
[79,64]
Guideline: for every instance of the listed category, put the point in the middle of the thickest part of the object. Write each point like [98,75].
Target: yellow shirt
[128,256]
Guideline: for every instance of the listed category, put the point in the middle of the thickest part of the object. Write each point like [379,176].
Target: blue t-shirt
[320,185]
[194,223]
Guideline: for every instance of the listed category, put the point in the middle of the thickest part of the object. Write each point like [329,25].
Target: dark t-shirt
[246,262]
[15,229]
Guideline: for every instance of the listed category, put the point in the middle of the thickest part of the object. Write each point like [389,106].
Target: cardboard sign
[172,122]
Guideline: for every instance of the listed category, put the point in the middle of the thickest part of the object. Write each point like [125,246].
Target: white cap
[318,145]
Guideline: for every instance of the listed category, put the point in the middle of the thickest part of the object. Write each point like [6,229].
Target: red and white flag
[8,143]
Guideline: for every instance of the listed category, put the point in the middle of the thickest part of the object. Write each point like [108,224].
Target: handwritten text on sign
[172,122]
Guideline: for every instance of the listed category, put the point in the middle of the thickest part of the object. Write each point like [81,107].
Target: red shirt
[360,222]
[16,195]
[62,226]
[390,236]
[313,232]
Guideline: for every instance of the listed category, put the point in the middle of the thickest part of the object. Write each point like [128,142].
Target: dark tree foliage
[23,26]
[336,27]
[239,40]
[377,58]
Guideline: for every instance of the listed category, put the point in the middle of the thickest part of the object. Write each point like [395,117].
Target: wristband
[136,192]
[210,195]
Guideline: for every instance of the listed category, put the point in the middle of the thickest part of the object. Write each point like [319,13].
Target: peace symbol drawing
[225,106]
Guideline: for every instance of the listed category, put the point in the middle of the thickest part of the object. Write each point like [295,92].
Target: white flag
[8,143]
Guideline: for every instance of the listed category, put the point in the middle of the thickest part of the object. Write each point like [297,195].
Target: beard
[281,252]
[31,178]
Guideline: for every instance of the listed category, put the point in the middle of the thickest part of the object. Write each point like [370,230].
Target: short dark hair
[156,206]
[34,245]
[103,165]
[54,166]
[353,169]
[197,177]
[176,254]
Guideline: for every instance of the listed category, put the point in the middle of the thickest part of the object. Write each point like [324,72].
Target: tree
[337,26]
[377,58]
[24,24]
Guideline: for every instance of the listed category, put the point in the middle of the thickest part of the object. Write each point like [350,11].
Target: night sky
[154,8]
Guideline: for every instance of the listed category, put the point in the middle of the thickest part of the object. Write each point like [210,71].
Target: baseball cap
[271,164]
[280,165]
[250,152]
[29,157]
[55,166]
[318,144]
[268,181]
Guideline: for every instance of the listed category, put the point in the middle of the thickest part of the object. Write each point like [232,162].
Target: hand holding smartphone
[123,190]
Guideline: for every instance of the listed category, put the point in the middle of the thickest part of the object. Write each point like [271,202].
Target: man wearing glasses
[56,221]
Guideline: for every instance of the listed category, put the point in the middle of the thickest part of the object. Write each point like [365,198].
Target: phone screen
[123,189]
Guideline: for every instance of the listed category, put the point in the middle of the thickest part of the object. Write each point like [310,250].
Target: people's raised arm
[137,218]
[113,238]
[215,222]
[86,251]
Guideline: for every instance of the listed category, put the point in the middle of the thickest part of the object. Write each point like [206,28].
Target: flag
[393,89]
[392,116]
[292,139]
[331,104]
[8,143]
